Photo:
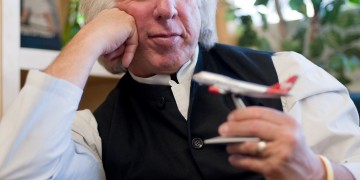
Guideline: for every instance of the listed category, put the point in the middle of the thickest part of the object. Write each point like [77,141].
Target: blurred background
[327,32]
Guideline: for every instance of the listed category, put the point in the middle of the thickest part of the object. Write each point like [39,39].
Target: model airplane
[221,84]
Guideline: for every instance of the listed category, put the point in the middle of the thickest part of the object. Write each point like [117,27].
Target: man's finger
[261,113]
[252,128]
[130,49]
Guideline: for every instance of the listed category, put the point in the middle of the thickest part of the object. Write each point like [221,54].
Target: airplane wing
[221,84]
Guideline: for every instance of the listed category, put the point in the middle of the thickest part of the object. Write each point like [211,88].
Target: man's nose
[165,9]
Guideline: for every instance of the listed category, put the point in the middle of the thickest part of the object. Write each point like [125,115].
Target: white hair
[208,35]
[207,38]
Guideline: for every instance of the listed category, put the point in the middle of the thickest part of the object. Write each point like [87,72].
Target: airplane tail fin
[284,87]
[215,90]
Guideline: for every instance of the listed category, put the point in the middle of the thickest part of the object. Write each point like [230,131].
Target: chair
[356,98]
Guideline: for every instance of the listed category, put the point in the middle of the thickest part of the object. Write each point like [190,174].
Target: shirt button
[197,143]
[161,102]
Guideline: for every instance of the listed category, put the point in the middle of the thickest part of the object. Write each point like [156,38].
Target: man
[153,123]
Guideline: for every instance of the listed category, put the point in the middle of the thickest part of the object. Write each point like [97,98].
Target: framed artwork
[40,24]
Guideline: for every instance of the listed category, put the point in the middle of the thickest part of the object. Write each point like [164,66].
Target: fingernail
[223,129]
[230,117]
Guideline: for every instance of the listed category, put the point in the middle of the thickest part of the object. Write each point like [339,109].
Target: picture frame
[40,24]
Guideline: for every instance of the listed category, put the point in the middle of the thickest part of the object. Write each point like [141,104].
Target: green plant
[329,38]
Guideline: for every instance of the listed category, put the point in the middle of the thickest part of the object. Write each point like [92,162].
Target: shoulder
[312,79]
[292,61]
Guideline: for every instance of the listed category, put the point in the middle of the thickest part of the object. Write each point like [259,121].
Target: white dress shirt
[43,136]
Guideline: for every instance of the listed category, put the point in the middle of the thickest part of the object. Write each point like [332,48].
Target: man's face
[168,33]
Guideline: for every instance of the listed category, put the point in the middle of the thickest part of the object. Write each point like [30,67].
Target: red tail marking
[214,90]
[284,87]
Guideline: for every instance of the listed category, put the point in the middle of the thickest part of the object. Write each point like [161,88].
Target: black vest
[144,136]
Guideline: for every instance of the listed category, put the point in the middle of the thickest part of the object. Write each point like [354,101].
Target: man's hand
[111,33]
[285,156]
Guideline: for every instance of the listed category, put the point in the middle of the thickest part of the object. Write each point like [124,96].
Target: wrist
[84,45]
[328,169]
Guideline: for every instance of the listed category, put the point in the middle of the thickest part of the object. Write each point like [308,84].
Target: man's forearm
[35,131]
[75,62]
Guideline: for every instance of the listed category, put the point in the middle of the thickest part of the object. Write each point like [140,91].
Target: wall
[1,59]
[9,51]
[225,35]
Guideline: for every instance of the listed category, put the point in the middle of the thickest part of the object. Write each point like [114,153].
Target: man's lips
[165,39]
[164,35]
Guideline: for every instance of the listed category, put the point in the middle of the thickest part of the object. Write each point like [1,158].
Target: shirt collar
[183,75]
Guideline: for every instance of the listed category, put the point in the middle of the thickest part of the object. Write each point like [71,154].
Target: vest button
[161,102]
[197,143]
